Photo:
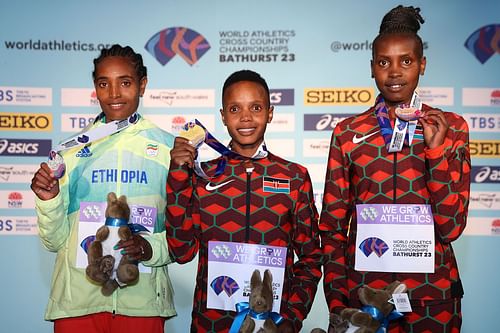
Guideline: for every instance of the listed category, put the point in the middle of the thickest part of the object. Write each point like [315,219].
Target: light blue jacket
[133,162]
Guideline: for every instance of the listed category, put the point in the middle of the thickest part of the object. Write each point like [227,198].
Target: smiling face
[118,88]
[396,66]
[246,113]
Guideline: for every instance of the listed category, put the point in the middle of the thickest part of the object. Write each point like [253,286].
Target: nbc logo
[169,42]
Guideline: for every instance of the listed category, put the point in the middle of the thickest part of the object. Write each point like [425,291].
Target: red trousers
[106,322]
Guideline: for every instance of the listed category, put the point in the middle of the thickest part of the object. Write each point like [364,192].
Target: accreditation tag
[406,123]
[401,302]
[398,136]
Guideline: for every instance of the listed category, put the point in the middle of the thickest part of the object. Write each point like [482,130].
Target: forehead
[395,45]
[243,90]
[114,66]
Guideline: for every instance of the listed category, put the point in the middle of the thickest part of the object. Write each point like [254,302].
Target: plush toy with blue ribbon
[256,315]
[106,265]
[373,317]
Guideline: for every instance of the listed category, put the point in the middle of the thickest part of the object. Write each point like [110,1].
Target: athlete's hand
[435,127]
[44,184]
[183,152]
[136,248]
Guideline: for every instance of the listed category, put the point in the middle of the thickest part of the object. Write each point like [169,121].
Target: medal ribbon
[403,129]
[225,152]
[85,137]
[97,133]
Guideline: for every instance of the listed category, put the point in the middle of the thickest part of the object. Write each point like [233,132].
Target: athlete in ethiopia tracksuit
[361,171]
[235,207]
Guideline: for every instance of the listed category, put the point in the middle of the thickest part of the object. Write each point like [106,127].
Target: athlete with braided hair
[131,161]
[377,160]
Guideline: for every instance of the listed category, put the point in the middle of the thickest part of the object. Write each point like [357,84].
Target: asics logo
[209,187]
[357,139]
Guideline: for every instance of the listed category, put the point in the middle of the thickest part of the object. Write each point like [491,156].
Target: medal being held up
[56,164]
[406,123]
[194,133]
[410,112]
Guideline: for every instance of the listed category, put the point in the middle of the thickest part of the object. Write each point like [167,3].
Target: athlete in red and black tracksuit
[240,210]
[361,171]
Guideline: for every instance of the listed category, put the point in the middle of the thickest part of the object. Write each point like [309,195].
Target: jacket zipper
[394,177]
[394,184]
[247,213]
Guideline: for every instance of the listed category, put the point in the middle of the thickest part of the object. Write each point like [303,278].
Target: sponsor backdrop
[315,56]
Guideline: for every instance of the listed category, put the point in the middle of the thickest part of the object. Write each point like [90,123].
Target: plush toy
[106,266]
[373,317]
[257,314]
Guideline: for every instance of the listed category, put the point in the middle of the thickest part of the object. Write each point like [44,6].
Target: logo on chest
[276,185]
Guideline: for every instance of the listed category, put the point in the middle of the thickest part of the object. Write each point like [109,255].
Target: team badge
[276,185]
[152,149]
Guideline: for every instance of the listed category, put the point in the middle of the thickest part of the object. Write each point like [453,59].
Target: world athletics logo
[484,42]
[187,43]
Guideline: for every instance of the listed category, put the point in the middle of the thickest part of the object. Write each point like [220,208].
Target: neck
[391,110]
[245,150]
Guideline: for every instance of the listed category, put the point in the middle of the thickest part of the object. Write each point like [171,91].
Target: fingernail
[115,247]
[123,252]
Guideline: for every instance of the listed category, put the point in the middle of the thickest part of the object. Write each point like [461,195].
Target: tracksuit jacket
[361,171]
[242,211]
[134,163]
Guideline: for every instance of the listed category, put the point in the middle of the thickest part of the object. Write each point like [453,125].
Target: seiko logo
[357,139]
[348,96]
[480,148]
[209,187]
[25,121]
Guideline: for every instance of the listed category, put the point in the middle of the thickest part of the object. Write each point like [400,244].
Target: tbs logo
[6,96]
[484,122]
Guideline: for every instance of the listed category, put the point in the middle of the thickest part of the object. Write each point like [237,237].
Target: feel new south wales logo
[187,43]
